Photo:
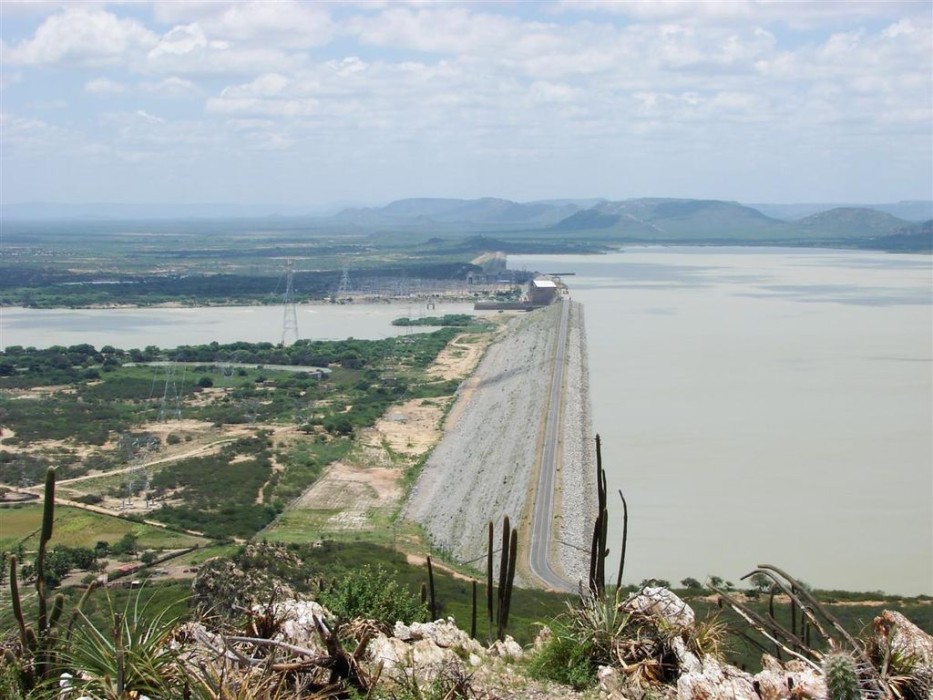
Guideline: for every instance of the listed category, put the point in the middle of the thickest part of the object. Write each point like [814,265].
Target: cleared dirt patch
[411,428]
[352,494]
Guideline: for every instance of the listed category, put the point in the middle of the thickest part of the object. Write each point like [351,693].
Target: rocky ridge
[661,661]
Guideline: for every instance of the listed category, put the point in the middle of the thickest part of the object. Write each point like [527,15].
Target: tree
[148,557]
[691,583]
[655,583]
[126,544]
[205,382]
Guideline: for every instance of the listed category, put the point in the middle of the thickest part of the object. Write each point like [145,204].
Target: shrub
[373,593]
[92,499]
[564,660]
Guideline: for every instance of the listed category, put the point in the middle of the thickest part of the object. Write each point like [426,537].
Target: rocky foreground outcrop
[664,659]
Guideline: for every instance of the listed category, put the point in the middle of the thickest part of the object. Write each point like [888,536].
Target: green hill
[677,220]
[852,222]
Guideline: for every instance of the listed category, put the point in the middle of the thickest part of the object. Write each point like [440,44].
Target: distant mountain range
[901,225]
[645,219]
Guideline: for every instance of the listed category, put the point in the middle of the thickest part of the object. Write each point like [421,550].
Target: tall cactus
[473,615]
[624,539]
[433,604]
[598,545]
[38,643]
[489,597]
[507,560]
[598,550]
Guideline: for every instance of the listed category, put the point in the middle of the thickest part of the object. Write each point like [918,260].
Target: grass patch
[298,525]
[530,608]
[199,556]
[80,528]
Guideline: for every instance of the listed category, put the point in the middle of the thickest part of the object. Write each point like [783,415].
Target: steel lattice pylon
[290,316]
[171,402]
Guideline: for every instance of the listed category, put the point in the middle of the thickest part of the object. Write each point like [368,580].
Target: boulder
[904,638]
[444,633]
[297,625]
[795,679]
[897,637]
[662,607]
[506,648]
[714,680]
[422,660]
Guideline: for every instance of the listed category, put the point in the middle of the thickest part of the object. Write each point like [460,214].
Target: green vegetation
[113,419]
[218,492]
[77,528]
[371,592]
[60,263]
[457,320]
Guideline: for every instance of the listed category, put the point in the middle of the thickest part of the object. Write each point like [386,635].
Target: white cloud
[149,118]
[801,14]
[173,86]
[82,36]
[458,83]
[179,41]
[187,50]
[284,23]
[30,136]
[264,86]
[544,91]
[103,86]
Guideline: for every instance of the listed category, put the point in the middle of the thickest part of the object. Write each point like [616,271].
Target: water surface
[171,327]
[764,406]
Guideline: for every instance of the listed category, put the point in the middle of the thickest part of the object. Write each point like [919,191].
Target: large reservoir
[764,406]
[169,327]
[756,405]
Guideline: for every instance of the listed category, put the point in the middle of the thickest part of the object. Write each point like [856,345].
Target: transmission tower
[171,402]
[344,289]
[290,317]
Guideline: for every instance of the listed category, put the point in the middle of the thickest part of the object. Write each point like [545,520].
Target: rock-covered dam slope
[486,465]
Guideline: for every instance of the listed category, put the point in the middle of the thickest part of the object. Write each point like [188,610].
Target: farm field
[80,528]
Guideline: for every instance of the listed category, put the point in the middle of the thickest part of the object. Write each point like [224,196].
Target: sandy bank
[485,467]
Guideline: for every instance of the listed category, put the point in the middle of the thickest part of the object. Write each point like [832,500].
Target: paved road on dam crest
[543,516]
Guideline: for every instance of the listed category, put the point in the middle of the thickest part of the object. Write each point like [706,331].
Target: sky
[313,103]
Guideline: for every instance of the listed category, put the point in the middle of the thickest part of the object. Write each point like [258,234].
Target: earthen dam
[518,443]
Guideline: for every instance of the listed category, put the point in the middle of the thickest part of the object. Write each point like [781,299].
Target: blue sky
[313,103]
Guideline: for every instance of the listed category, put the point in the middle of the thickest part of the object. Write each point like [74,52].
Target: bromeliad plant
[129,657]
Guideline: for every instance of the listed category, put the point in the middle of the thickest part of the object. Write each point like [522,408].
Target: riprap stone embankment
[485,466]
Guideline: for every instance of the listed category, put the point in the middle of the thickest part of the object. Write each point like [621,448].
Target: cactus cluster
[842,682]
